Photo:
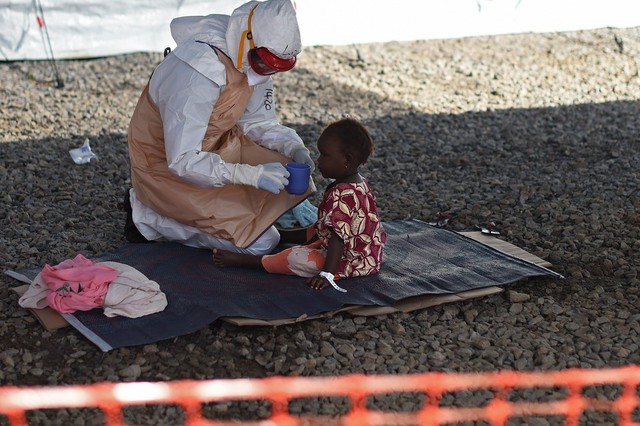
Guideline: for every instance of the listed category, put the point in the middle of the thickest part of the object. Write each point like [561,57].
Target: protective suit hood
[274,25]
[210,29]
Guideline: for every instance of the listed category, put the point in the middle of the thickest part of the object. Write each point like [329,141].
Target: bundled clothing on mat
[349,209]
[301,216]
[80,284]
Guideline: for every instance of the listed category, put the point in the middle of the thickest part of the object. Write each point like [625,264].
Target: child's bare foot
[224,258]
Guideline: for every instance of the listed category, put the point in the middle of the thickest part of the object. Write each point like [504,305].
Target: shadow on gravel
[560,182]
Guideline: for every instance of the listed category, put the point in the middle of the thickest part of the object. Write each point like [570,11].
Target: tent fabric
[92,28]
[419,260]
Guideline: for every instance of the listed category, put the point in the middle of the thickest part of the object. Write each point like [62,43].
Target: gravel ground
[538,132]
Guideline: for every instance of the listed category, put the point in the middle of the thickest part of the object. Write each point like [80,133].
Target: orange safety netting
[279,391]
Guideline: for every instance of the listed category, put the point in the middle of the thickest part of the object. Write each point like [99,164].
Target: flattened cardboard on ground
[407,305]
[52,320]
[49,318]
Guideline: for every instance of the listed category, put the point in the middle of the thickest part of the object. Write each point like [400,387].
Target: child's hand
[318,282]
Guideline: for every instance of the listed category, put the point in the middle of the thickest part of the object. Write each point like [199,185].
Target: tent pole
[43,30]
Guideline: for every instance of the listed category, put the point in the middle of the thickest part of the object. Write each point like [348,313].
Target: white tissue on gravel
[537,132]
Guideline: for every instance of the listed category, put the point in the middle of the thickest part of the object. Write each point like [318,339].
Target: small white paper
[83,154]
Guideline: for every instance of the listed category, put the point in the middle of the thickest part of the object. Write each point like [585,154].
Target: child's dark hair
[354,138]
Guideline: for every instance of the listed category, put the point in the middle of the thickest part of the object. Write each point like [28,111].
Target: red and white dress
[349,209]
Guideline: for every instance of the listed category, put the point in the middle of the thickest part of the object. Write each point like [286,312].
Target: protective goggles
[264,62]
[261,60]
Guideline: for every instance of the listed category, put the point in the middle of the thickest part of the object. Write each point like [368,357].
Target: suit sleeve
[185,106]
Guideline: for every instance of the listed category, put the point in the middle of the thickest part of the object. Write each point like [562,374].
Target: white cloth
[131,294]
[155,227]
[186,86]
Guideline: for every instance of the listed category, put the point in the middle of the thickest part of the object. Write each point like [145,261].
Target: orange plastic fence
[191,394]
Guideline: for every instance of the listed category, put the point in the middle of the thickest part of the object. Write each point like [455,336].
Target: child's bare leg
[225,258]
[297,236]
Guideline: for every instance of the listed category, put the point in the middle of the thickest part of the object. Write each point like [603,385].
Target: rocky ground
[538,132]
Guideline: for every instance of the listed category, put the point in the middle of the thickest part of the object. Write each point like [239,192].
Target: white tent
[90,28]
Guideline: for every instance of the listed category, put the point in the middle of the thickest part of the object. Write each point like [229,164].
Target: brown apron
[237,213]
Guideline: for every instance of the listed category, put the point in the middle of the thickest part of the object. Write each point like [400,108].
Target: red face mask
[264,62]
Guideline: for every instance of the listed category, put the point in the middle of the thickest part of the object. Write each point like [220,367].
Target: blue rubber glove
[270,177]
[301,155]
[273,177]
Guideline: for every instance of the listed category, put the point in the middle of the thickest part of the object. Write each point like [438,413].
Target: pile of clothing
[301,216]
[80,284]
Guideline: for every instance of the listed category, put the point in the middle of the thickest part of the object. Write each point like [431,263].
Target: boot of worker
[131,233]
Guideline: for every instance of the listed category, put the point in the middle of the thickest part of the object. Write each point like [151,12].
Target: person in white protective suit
[206,149]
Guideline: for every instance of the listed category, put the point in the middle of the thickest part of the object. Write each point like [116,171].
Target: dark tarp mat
[418,260]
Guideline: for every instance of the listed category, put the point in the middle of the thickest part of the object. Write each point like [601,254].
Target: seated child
[347,240]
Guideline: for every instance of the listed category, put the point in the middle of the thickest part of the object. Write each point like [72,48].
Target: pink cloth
[77,284]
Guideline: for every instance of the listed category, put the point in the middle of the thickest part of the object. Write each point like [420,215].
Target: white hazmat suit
[206,149]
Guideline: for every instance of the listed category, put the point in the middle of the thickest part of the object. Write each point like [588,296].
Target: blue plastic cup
[299,175]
